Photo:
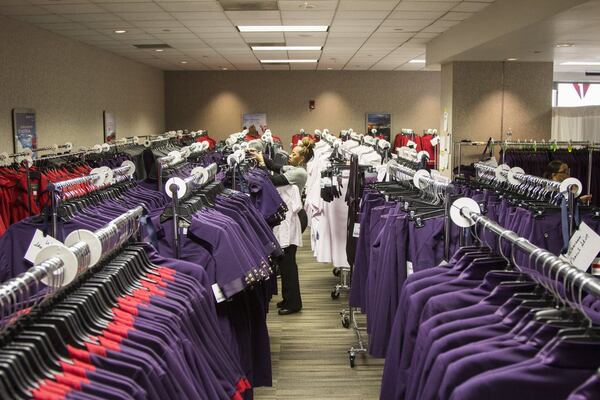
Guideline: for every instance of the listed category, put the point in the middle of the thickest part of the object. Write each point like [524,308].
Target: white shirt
[289,232]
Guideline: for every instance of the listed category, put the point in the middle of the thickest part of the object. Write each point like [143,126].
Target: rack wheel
[346,321]
[335,294]
[336,271]
[352,358]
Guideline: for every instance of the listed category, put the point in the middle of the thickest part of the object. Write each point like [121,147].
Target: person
[558,171]
[252,133]
[293,174]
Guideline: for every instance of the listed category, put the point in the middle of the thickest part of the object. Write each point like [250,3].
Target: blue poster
[24,129]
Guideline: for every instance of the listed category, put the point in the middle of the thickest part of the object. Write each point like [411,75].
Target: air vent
[153,46]
[266,44]
[592,73]
[249,5]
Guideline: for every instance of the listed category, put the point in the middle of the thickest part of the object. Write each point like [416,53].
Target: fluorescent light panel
[286,48]
[581,63]
[283,28]
[417,61]
[287,61]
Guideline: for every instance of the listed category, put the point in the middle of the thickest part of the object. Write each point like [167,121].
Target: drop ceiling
[363,35]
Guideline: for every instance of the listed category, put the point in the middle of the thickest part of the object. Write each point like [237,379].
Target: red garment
[211,142]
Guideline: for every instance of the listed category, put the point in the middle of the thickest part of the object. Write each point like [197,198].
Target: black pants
[290,286]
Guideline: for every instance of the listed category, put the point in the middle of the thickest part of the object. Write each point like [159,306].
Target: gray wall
[217,100]
[69,84]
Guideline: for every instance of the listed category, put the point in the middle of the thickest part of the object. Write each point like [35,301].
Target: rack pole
[173,188]
[589,171]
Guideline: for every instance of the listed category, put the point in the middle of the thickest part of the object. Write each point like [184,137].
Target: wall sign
[110,127]
[259,120]
[24,129]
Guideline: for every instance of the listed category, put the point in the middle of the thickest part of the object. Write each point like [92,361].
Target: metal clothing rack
[58,265]
[465,213]
[178,189]
[100,178]
[542,144]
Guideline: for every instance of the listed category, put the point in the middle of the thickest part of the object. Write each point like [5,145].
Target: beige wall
[489,98]
[69,84]
[216,100]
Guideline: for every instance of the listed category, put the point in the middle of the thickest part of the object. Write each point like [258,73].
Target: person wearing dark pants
[292,175]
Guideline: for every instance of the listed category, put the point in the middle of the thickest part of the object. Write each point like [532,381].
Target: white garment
[576,123]
[336,214]
[289,231]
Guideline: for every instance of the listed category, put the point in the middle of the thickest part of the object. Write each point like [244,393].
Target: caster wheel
[346,322]
[352,358]
[336,271]
[335,294]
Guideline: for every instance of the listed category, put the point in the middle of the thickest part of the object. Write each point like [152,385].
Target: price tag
[435,141]
[39,242]
[219,296]
[409,268]
[584,247]
[356,230]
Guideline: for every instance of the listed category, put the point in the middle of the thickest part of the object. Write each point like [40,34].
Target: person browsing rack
[293,174]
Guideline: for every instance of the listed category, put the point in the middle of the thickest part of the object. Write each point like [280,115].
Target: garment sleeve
[279,180]
[272,165]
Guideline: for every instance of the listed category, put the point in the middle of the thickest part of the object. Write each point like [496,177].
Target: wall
[217,100]
[490,98]
[69,84]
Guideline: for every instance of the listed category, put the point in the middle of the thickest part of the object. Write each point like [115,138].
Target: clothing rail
[177,189]
[58,265]
[514,176]
[99,177]
[465,212]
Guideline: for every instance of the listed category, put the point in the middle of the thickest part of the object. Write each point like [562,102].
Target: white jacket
[289,231]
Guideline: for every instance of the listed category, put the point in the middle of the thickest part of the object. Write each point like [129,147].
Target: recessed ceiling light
[283,28]
[286,48]
[223,68]
[306,5]
[183,62]
[159,50]
[563,45]
[511,59]
[166,30]
[120,31]
[329,68]
[287,61]
[537,51]
[417,61]
[398,29]
[581,63]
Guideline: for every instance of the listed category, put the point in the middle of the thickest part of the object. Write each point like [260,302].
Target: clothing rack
[465,212]
[99,177]
[178,189]
[58,265]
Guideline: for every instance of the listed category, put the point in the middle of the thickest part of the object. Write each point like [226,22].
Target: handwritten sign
[38,243]
[584,246]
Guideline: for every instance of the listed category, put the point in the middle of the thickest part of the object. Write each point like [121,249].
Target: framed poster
[110,127]
[24,129]
[259,120]
[380,121]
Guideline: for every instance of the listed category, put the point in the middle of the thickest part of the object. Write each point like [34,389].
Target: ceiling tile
[145,16]
[42,19]
[46,2]
[94,17]
[182,6]
[158,24]
[131,7]
[440,26]
[442,6]
[255,16]
[61,26]
[307,16]
[112,25]
[372,5]
[416,15]
[275,37]
[73,8]
[303,67]
[181,29]
[285,67]
[22,10]
[362,15]
[295,5]
[457,16]
[471,6]
[200,16]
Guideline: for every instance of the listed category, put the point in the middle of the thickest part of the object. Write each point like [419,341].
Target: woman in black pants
[292,174]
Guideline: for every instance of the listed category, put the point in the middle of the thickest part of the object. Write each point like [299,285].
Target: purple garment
[558,369]
[589,390]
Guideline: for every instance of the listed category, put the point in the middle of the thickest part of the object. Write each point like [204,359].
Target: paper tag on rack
[435,141]
[219,296]
[39,242]
[356,230]
[409,268]
[584,247]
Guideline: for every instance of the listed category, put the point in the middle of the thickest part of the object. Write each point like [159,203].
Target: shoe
[288,311]
[280,304]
